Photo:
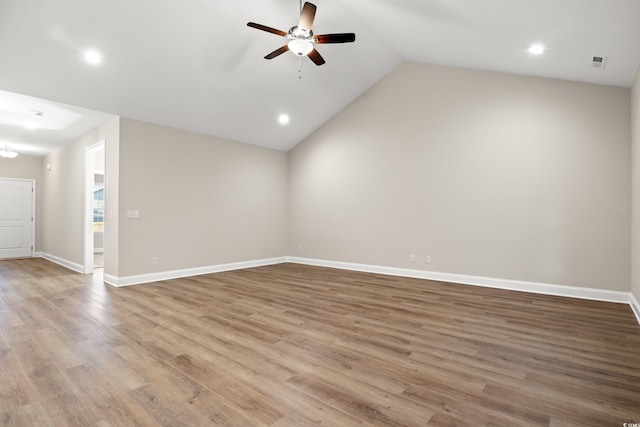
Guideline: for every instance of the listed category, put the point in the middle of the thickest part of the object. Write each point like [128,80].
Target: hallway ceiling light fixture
[8,153]
[283,119]
[92,57]
[536,49]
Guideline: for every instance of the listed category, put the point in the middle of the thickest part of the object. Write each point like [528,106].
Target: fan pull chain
[300,58]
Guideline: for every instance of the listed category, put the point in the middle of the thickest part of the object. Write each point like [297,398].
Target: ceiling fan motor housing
[301,41]
[297,32]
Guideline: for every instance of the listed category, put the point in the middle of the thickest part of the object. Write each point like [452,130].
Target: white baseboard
[514,285]
[635,306]
[61,261]
[110,280]
[197,271]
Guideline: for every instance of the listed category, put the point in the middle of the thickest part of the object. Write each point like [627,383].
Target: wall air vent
[599,62]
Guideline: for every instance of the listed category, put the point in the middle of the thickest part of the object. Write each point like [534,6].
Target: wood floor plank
[111,403]
[28,415]
[368,404]
[487,410]
[560,405]
[292,345]
[15,390]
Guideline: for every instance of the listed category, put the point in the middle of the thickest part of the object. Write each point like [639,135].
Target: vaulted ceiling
[195,65]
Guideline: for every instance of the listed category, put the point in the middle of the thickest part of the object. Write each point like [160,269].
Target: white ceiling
[195,65]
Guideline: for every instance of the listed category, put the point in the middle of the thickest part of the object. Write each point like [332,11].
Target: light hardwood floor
[292,345]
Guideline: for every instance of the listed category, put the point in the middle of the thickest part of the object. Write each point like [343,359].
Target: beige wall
[63,198]
[490,174]
[202,200]
[27,167]
[635,124]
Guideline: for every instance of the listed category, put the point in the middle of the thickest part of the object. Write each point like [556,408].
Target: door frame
[89,154]
[33,208]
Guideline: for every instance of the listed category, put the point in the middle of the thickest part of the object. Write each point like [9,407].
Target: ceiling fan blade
[315,56]
[277,52]
[335,38]
[307,14]
[267,29]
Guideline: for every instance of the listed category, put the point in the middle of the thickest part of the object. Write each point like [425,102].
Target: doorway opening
[94,207]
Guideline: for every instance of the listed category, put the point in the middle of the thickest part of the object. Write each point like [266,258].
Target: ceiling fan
[301,38]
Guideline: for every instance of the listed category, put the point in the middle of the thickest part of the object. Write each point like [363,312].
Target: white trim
[110,280]
[61,261]
[33,222]
[514,285]
[635,306]
[176,274]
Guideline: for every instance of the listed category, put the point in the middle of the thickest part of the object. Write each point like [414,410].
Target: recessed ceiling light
[283,119]
[536,49]
[92,57]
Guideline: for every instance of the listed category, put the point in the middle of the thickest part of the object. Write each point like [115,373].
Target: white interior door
[16,218]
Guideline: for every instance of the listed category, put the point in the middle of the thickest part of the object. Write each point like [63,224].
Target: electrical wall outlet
[412,258]
[428,259]
[154,260]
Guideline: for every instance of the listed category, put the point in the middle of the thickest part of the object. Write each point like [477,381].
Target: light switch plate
[133,214]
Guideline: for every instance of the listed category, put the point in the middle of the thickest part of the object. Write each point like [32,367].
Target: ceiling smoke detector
[599,62]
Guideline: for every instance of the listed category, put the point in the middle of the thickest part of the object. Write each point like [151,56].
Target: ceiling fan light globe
[300,47]
[8,153]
